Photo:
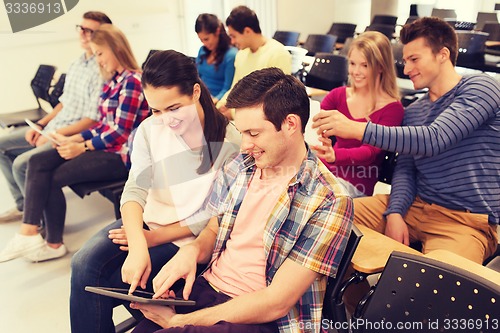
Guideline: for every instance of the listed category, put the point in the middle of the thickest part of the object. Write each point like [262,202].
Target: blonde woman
[372,95]
[97,154]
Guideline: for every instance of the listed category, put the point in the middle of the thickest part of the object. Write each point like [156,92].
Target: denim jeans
[48,173]
[98,263]
[15,152]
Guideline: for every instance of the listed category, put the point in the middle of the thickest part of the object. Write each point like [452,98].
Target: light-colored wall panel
[316,16]
[147,25]
[162,24]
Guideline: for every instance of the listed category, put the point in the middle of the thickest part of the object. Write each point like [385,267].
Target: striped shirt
[82,87]
[309,224]
[450,150]
[122,107]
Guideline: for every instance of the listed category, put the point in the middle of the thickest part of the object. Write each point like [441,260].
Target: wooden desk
[374,250]
[466,264]
[492,43]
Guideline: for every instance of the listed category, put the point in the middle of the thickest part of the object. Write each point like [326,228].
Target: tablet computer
[310,134]
[138,296]
[35,127]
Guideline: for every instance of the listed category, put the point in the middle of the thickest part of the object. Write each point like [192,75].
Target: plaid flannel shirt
[122,107]
[80,98]
[310,224]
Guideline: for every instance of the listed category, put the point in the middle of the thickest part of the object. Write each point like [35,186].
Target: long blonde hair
[112,37]
[377,50]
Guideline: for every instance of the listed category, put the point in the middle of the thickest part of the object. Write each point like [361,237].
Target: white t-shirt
[164,179]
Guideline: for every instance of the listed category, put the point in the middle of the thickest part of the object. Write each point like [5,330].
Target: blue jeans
[98,263]
[15,152]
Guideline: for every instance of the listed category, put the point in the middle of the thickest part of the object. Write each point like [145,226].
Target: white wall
[384,7]
[316,16]
[169,24]
[148,24]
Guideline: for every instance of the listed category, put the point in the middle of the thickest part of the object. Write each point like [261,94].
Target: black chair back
[386,169]
[444,13]
[319,43]
[327,72]
[387,29]
[413,10]
[41,83]
[151,52]
[342,31]
[493,29]
[428,294]
[332,304]
[384,19]
[57,90]
[287,38]
[471,46]
[484,17]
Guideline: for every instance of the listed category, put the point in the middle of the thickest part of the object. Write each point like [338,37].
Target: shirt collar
[304,177]
[83,59]
[307,171]
[119,77]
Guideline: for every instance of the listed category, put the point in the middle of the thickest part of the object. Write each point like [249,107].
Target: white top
[163,178]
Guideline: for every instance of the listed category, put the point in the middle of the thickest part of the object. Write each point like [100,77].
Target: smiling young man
[446,186]
[280,226]
[76,111]
[255,50]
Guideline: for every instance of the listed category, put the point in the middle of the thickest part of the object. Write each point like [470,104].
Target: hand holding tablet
[310,135]
[138,296]
[38,130]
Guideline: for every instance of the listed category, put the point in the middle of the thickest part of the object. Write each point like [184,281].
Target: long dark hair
[209,23]
[173,69]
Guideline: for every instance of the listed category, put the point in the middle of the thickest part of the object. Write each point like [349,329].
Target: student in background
[175,157]
[446,186]
[76,111]
[372,95]
[97,154]
[255,50]
[215,60]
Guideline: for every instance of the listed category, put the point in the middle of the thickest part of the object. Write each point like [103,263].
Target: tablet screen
[138,296]
[310,134]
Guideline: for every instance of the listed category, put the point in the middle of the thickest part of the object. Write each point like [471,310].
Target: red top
[356,162]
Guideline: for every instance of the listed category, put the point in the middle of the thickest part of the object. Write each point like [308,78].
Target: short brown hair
[436,32]
[97,16]
[242,17]
[278,93]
